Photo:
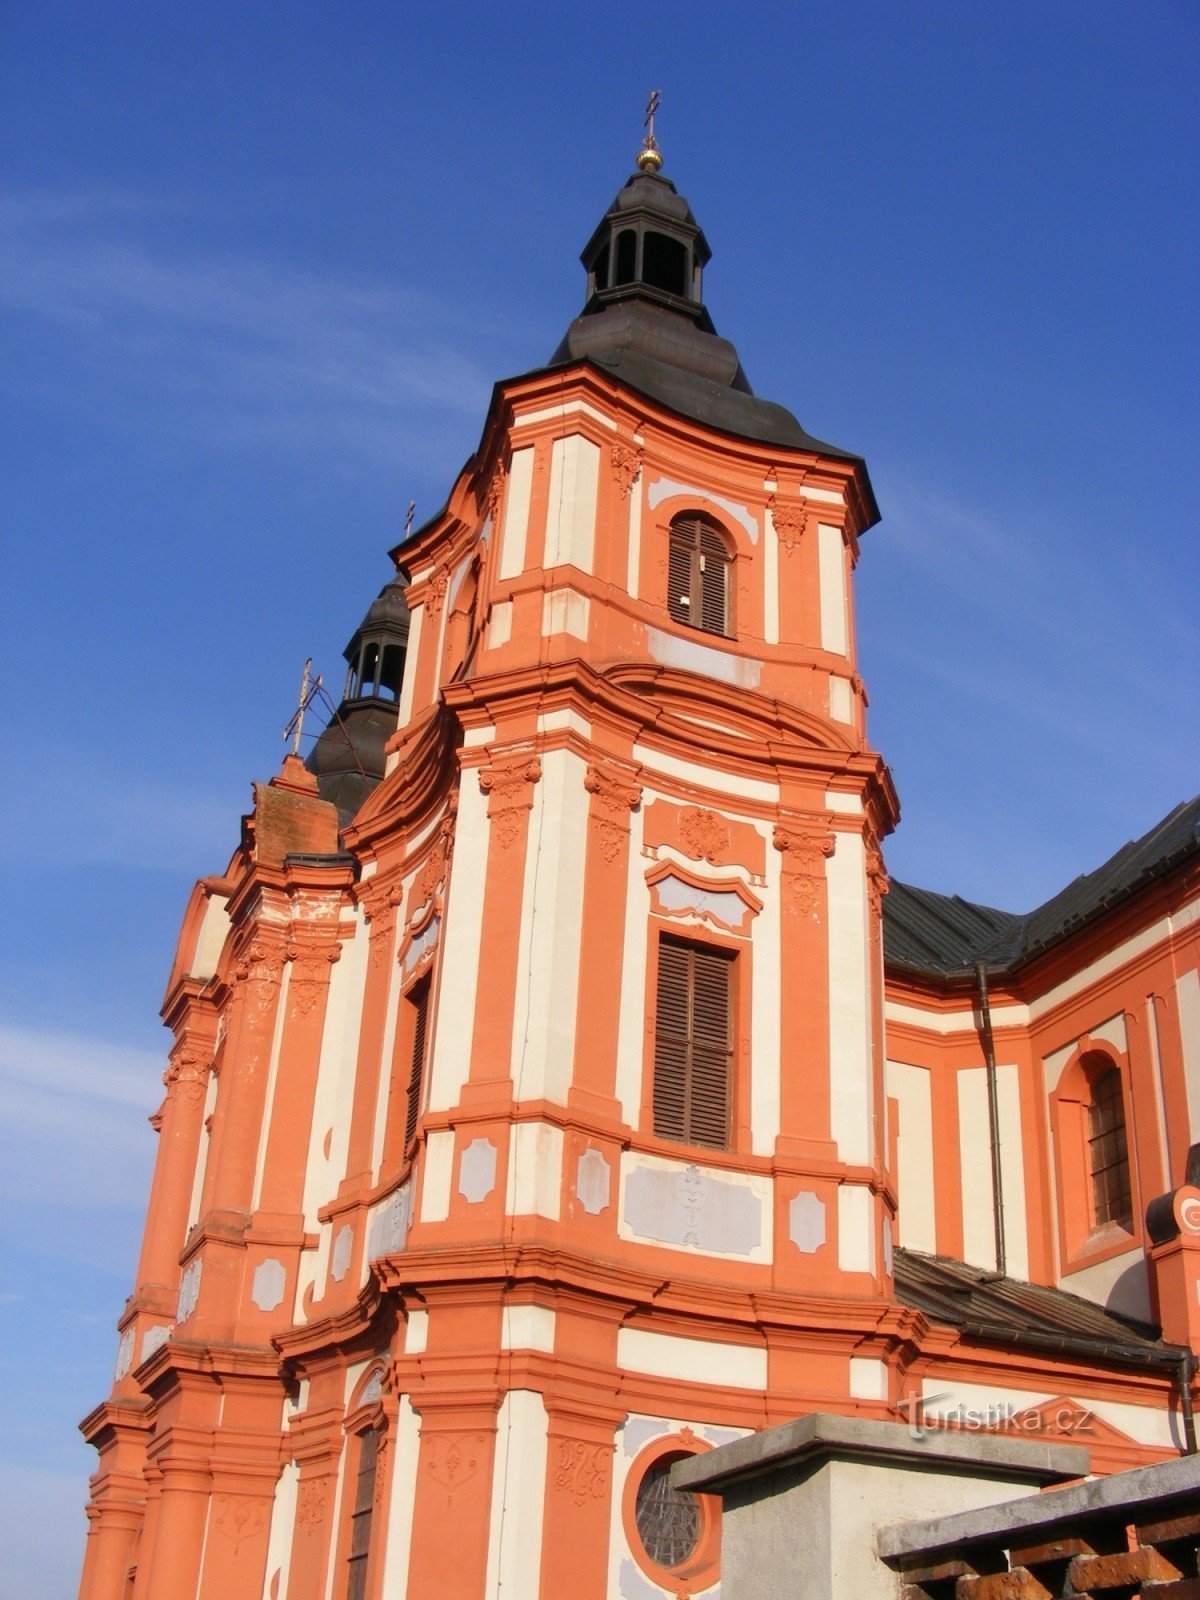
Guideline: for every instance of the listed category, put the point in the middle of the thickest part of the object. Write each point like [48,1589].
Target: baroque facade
[559,1088]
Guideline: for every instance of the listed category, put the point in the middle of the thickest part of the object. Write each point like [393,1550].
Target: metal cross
[408,521]
[308,689]
[648,121]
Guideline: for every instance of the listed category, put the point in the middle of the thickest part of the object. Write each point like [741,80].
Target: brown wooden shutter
[698,576]
[419,1000]
[692,1051]
[679,575]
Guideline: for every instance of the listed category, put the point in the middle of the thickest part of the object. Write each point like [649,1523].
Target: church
[561,1090]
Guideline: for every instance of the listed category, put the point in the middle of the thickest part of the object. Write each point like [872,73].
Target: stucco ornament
[805,848]
[790,521]
[806,1222]
[509,788]
[494,497]
[705,835]
[615,797]
[626,465]
[582,1469]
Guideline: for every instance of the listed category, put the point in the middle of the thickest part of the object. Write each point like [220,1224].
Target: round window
[668,1520]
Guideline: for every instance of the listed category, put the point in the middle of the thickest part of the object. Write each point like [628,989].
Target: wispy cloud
[73,1110]
[248,348]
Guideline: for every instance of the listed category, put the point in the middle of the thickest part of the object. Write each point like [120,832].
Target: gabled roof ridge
[921,935]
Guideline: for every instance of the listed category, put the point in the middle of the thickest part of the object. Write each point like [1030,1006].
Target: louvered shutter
[698,576]
[419,1000]
[708,1097]
[692,1045]
[679,575]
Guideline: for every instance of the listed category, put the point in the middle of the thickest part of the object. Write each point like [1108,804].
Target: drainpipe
[1187,1368]
[989,1055]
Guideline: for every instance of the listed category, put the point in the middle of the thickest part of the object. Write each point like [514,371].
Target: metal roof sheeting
[944,936]
[1008,1311]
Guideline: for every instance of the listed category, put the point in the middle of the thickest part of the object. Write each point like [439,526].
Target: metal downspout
[1186,1370]
[989,1055]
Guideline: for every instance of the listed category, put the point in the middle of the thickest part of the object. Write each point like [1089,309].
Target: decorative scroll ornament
[615,798]
[433,873]
[238,1519]
[435,595]
[187,1076]
[582,1469]
[705,835]
[495,494]
[789,521]
[626,466]
[510,792]
[261,969]
[805,850]
[452,1460]
[877,879]
[310,1512]
[310,977]
[381,908]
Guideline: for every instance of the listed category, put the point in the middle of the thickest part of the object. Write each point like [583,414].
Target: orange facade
[554,1116]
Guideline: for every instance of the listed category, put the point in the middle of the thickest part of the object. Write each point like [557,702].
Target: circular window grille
[668,1520]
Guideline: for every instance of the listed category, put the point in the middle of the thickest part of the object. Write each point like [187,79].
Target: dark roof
[943,936]
[1007,1311]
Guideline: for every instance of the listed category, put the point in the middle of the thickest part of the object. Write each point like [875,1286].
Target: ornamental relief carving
[626,466]
[310,1508]
[494,496]
[452,1459]
[260,970]
[187,1075]
[615,797]
[238,1519]
[705,835]
[877,879]
[435,595]
[310,978]
[509,789]
[582,1469]
[805,850]
[790,521]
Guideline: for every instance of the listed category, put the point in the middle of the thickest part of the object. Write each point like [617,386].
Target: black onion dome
[645,320]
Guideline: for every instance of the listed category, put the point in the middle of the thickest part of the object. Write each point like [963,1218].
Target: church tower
[525,1123]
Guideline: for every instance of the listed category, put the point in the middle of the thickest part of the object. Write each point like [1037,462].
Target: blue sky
[259,266]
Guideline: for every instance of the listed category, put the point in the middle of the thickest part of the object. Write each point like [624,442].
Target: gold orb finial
[650,156]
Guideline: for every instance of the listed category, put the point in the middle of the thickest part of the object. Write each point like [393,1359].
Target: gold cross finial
[650,158]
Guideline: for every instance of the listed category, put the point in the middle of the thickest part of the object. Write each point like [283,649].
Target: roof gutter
[1180,1364]
[989,1055]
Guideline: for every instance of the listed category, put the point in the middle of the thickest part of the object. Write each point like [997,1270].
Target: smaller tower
[348,758]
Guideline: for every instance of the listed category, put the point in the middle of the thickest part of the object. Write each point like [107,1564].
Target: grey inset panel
[693,1208]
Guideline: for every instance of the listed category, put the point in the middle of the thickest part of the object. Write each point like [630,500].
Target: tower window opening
[1108,1151]
[369,673]
[664,263]
[392,671]
[693,1046]
[626,257]
[600,270]
[698,576]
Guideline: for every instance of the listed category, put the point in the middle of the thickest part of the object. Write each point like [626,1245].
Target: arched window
[698,575]
[1108,1150]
